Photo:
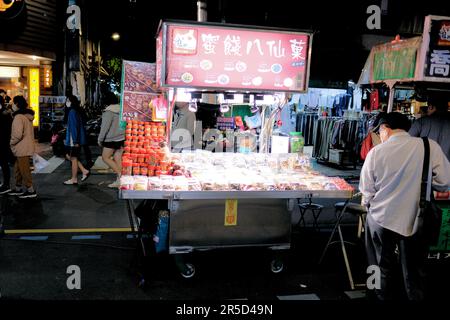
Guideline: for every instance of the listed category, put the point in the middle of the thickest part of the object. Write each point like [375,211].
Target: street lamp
[115,36]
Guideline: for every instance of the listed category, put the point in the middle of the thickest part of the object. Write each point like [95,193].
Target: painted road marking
[53,164]
[311,296]
[34,238]
[99,230]
[134,236]
[87,237]
[358,294]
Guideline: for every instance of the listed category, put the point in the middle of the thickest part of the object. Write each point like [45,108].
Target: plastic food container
[126,182]
[296,142]
[154,183]
[136,169]
[140,183]
[127,167]
[167,183]
[144,170]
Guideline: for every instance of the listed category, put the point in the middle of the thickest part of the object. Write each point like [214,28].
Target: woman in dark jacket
[75,139]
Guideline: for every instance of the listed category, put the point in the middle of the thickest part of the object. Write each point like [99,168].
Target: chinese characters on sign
[440,63]
[235,58]
[438,57]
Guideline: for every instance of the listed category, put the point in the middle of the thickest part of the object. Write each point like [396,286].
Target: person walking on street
[5,149]
[22,146]
[436,124]
[112,137]
[75,138]
[390,184]
[6,98]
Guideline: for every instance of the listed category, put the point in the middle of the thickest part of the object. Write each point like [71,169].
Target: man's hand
[100,144]
[76,145]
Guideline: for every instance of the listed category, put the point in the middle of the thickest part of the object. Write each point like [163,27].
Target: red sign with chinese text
[236,58]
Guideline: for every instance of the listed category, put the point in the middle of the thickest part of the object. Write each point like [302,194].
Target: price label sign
[231,213]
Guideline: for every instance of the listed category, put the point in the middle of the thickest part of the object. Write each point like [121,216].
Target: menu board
[224,57]
[141,99]
[397,60]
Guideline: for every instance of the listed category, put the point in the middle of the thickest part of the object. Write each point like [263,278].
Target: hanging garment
[374,100]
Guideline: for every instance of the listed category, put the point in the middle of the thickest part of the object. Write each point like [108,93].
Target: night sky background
[338,53]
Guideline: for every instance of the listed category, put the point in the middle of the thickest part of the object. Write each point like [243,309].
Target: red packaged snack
[136,169]
[127,167]
[133,157]
[144,170]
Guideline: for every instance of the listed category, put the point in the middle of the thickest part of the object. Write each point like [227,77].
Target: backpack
[370,141]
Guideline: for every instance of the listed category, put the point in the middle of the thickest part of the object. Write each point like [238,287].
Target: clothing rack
[336,135]
[305,123]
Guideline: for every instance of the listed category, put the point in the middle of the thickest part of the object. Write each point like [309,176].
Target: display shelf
[199,195]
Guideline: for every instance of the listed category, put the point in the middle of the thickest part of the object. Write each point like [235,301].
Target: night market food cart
[219,199]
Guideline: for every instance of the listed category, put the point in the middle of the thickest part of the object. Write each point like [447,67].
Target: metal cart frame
[197,220]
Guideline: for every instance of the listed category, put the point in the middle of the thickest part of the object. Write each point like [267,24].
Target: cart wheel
[276,266]
[189,271]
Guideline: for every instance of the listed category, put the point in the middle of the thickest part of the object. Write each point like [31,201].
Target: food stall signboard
[141,99]
[394,61]
[217,56]
[436,52]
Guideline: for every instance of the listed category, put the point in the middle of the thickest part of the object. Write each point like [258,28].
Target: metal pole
[202,16]
[391,85]
[65,64]
[202,13]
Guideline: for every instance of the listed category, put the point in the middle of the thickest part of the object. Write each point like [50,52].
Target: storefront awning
[8,58]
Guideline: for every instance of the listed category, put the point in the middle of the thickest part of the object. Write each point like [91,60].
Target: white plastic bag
[39,163]
[253,121]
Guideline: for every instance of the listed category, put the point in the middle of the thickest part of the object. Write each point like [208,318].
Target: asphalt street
[88,226]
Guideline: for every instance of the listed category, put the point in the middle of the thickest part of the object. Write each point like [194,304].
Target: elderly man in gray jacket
[112,137]
[390,183]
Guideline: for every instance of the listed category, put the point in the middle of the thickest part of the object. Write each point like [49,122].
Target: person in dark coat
[75,140]
[436,124]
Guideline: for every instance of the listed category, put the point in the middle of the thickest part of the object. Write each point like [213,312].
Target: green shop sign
[394,64]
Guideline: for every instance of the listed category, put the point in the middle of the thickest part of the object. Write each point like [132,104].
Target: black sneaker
[16,193]
[28,195]
[4,189]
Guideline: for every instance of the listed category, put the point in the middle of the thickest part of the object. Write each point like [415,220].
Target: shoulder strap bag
[430,214]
